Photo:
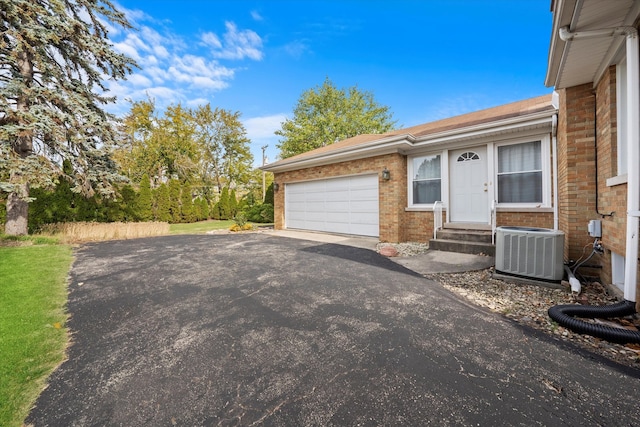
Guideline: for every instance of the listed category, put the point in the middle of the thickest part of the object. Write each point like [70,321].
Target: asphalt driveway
[254,329]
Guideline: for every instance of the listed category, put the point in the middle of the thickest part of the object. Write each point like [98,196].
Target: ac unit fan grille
[537,254]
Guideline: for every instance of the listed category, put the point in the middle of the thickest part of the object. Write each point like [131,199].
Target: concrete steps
[458,238]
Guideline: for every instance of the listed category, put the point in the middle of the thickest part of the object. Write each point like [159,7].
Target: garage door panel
[364,218]
[315,206]
[315,216]
[315,197]
[338,196]
[342,205]
[364,194]
[337,206]
[362,181]
[337,216]
[360,206]
[360,229]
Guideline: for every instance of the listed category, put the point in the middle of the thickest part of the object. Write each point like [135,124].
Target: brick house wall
[525,219]
[576,167]
[393,193]
[397,223]
[612,200]
[582,109]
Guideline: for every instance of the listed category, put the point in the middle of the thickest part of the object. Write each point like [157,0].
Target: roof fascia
[389,145]
[405,143]
[472,132]
[563,15]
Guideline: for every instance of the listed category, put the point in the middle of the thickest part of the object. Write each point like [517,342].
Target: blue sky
[425,59]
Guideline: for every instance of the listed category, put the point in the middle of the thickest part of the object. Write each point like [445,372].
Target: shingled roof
[423,131]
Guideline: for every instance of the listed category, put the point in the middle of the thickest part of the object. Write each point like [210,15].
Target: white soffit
[583,61]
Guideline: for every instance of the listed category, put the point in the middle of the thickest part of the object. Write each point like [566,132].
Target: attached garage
[346,205]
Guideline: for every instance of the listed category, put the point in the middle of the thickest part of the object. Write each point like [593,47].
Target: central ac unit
[530,252]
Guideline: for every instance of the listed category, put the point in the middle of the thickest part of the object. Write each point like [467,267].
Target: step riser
[464,235]
[466,226]
[462,247]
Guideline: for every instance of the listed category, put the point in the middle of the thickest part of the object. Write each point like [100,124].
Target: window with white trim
[520,173]
[426,179]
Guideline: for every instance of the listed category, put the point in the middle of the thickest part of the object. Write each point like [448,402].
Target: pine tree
[223,204]
[128,199]
[233,204]
[268,195]
[145,201]
[186,205]
[197,209]
[174,200]
[204,207]
[54,56]
[163,212]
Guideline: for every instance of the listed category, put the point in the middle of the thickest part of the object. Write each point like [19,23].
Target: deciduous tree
[227,158]
[54,56]
[326,114]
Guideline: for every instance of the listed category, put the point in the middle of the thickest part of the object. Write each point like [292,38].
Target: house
[557,161]
[593,66]
[487,168]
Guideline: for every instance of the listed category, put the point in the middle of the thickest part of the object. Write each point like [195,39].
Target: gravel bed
[528,304]
[406,248]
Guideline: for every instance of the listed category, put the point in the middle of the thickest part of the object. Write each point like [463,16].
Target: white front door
[468,189]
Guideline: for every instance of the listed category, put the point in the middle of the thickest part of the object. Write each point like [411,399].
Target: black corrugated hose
[563,314]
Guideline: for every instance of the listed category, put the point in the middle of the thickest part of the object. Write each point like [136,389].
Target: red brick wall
[419,226]
[396,224]
[525,219]
[576,167]
[611,199]
[576,171]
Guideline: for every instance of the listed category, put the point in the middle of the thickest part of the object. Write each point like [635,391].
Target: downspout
[563,314]
[633,160]
[554,151]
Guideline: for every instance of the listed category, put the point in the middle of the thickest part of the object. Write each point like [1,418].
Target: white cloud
[139,80]
[256,15]
[263,127]
[133,15]
[128,50]
[164,94]
[157,74]
[208,83]
[211,39]
[238,44]
[296,48]
[260,130]
[200,73]
[161,51]
[197,102]
[149,60]
[173,69]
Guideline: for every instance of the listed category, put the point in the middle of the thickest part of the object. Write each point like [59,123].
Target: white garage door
[341,205]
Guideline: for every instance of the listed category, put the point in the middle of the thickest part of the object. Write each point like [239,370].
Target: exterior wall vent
[530,252]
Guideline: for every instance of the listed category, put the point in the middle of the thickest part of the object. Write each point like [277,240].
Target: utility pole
[264,180]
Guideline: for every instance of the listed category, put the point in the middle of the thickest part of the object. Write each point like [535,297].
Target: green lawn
[200,227]
[33,336]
